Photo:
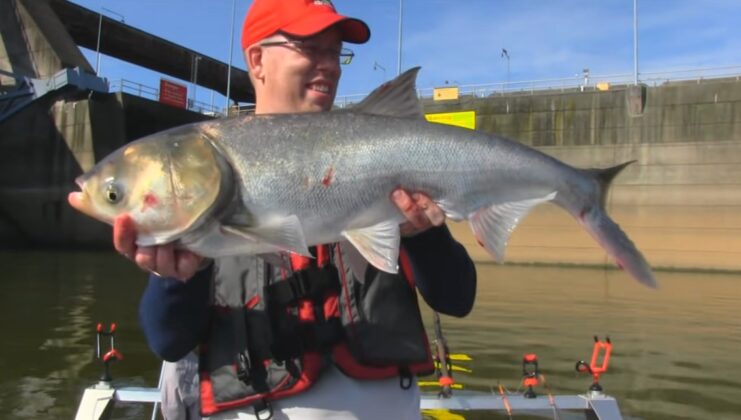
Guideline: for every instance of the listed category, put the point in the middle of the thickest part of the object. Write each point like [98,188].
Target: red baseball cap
[298,18]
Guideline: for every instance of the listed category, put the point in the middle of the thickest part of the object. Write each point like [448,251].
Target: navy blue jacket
[174,314]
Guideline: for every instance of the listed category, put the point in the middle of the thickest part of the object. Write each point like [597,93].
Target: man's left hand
[420,211]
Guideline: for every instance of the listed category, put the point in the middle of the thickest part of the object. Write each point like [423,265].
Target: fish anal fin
[492,226]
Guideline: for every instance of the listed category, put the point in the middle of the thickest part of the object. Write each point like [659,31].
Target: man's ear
[253,58]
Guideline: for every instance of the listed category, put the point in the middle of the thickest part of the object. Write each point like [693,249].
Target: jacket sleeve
[174,314]
[443,271]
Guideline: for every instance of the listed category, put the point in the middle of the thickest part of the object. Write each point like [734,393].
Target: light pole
[398,59]
[377,66]
[635,42]
[196,59]
[505,54]
[100,27]
[585,75]
[229,70]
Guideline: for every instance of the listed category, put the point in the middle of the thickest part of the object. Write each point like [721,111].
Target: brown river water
[675,356]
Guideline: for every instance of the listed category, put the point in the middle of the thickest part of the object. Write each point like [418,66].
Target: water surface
[675,349]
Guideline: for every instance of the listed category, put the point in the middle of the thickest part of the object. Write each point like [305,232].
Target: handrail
[144,91]
[584,81]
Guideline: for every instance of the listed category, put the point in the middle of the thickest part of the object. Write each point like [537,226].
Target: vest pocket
[383,324]
[232,374]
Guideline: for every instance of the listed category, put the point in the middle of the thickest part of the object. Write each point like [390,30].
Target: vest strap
[263,407]
[309,283]
[306,327]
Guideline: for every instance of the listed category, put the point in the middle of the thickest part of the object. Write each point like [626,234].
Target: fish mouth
[79,199]
[80,181]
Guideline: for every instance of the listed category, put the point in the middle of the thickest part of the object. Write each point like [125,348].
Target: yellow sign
[603,86]
[465,119]
[445,93]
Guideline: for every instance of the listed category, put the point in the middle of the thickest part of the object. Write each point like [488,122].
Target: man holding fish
[357,366]
[301,214]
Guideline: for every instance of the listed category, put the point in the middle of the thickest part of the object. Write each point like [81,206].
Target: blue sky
[460,41]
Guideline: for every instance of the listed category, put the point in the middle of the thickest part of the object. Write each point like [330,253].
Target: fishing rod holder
[530,374]
[111,355]
[603,348]
[442,362]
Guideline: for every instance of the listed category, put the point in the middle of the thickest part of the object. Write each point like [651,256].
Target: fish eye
[113,193]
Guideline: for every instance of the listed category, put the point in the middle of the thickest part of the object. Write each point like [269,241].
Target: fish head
[167,183]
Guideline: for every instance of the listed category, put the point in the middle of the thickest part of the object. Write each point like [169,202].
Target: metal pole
[229,70]
[100,27]
[401,15]
[507,71]
[97,47]
[196,59]
[505,54]
[159,387]
[635,42]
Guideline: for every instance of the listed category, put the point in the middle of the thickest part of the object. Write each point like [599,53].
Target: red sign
[173,94]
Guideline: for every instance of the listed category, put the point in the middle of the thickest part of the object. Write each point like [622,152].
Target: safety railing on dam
[584,81]
[148,92]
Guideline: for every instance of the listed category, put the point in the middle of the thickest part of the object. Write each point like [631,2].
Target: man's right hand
[162,260]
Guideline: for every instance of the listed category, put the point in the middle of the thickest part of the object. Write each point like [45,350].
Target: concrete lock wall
[48,144]
[680,202]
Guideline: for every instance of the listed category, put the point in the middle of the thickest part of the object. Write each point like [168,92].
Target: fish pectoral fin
[238,219]
[493,225]
[379,244]
[285,234]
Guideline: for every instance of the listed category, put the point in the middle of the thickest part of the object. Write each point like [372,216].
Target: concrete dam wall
[680,202]
[47,145]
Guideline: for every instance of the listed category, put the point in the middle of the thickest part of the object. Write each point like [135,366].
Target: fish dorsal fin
[285,234]
[493,225]
[395,98]
[379,244]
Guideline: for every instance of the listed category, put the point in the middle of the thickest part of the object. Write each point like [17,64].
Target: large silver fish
[261,184]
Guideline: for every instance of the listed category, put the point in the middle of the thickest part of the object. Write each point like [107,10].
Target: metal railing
[148,92]
[582,82]
[134,88]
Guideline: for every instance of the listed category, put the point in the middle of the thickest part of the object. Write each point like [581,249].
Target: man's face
[299,76]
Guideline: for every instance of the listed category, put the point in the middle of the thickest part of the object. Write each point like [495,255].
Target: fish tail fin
[609,234]
[604,178]
[617,244]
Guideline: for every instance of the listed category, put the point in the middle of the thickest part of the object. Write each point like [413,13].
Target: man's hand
[163,260]
[421,212]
